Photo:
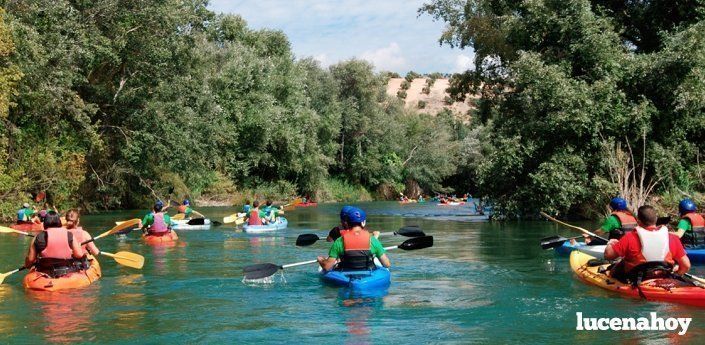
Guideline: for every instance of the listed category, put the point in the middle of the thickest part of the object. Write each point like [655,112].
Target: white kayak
[191,224]
[280,224]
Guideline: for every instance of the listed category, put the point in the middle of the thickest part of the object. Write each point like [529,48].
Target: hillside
[435,100]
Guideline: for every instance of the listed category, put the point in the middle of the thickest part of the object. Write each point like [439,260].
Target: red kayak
[28,227]
[307,204]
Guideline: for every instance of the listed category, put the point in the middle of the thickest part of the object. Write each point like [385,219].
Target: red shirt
[629,246]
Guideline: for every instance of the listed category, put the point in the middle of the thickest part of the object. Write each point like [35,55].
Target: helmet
[158,205]
[357,215]
[618,204]
[686,206]
[25,205]
[344,213]
[186,202]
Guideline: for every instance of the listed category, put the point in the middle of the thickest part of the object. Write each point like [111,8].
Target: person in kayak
[185,208]
[54,250]
[691,227]
[356,248]
[157,222]
[648,252]
[619,222]
[73,226]
[246,208]
[337,230]
[253,217]
[25,214]
[270,213]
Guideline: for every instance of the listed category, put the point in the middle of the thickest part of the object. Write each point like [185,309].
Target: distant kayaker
[691,227]
[336,232]
[54,250]
[647,250]
[356,248]
[619,222]
[25,214]
[246,208]
[253,217]
[185,208]
[73,226]
[270,213]
[157,222]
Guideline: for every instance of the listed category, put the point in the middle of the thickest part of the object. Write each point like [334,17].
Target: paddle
[701,282]
[127,259]
[117,228]
[555,241]
[6,230]
[5,275]
[260,271]
[407,231]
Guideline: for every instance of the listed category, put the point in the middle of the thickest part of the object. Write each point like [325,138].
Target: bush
[411,76]
[447,100]
[401,94]
[421,104]
[405,85]
[426,90]
[335,190]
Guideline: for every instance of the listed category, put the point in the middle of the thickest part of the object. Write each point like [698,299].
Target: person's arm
[333,254]
[31,255]
[378,251]
[608,225]
[384,260]
[327,264]
[77,253]
[147,220]
[683,226]
[92,248]
[613,250]
[683,265]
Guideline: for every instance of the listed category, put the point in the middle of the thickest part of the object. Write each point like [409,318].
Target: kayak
[39,281]
[195,224]
[280,224]
[696,255]
[167,238]
[408,202]
[452,203]
[307,204]
[567,248]
[662,289]
[28,227]
[366,280]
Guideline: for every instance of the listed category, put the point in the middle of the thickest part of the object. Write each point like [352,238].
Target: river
[482,282]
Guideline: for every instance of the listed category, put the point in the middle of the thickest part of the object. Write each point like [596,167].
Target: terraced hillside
[435,100]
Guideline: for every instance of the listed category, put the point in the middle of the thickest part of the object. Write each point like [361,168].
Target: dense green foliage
[110,103]
[562,80]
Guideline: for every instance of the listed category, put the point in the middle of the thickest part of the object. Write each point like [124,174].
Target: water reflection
[66,316]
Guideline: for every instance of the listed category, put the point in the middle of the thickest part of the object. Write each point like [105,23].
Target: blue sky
[389,33]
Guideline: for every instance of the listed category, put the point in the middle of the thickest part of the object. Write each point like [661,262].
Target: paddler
[269,213]
[646,251]
[246,208]
[691,227]
[356,248]
[157,222]
[253,217]
[73,226]
[25,214]
[185,208]
[54,250]
[619,222]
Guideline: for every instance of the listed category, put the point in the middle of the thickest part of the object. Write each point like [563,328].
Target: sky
[388,33]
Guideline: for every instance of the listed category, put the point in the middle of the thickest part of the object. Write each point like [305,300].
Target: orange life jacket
[57,245]
[254,218]
[357,255]
[182,208]
[696,237]
[626,219]
[80,237]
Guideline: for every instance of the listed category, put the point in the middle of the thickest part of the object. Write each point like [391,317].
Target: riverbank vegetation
[569,89]
[111,104]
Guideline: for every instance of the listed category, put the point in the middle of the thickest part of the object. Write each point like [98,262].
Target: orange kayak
[41,282]
[28,227]
[168,238]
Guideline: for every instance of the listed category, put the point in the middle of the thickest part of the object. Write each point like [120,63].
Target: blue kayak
[365,280]
[280,224]
[696,255]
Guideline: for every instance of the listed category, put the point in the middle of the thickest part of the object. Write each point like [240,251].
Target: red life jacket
[656,254]
[626,219]
[57,245]
[159,225]
[695,237]
[254,218]
[80,237]
[182,208]
[357,255]
[696,220]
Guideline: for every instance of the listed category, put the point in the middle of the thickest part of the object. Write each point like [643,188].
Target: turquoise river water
[482,282]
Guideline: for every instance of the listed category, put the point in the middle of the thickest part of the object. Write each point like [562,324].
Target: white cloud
[389,58]
[464,63]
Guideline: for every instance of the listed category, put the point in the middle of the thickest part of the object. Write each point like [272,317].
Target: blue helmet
[357,215]
[618,204]
[344,213]
[686,206]
[186,202]
[159,205]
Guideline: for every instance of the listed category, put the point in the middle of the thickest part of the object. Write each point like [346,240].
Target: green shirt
[27,212]
[684,224]
[611,223]
[188,211]
[337,250]
[149,219]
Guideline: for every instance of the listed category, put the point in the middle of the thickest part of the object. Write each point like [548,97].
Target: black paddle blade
[197,221]
[306,240]
[216,223]
[663,220]
[410,231]
[417,243]
[552,242]
[260,271]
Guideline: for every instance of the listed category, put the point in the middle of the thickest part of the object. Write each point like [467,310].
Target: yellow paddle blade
[5,275]
[239,221]
[237,218]
[119,227]
[7,230]
[128,259]
[178,216]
